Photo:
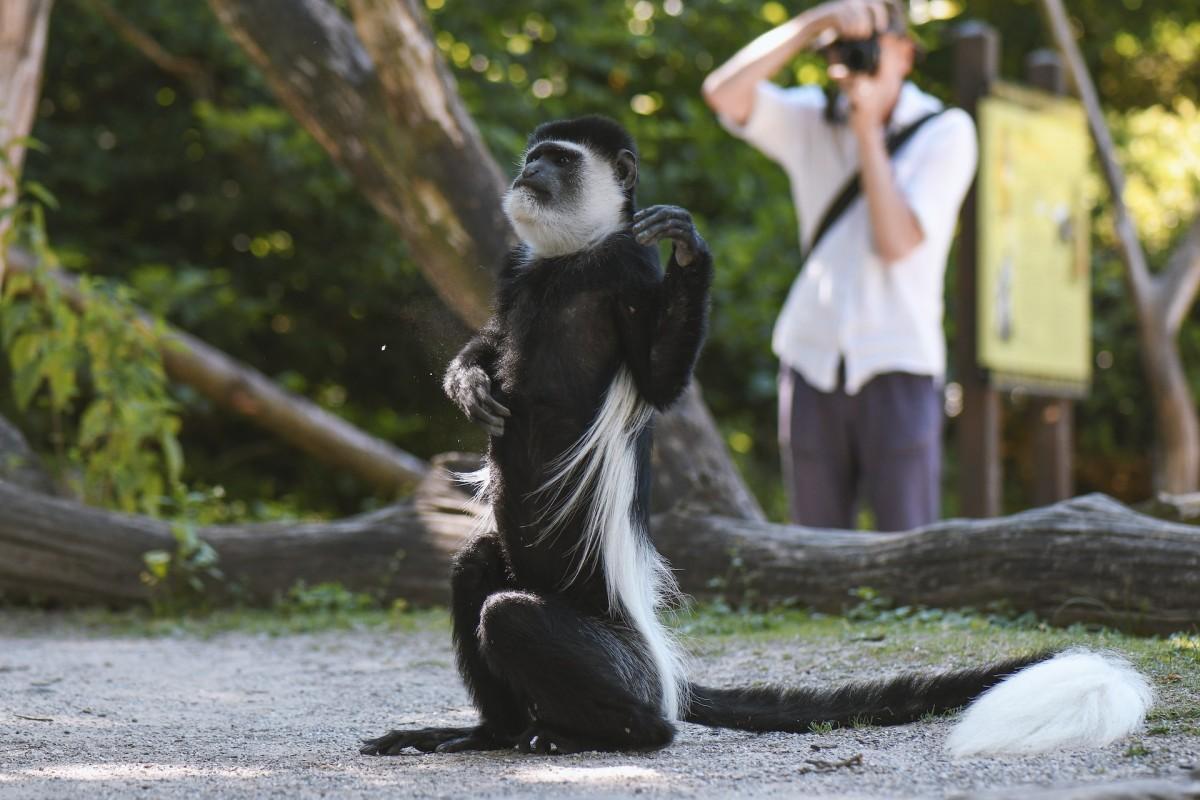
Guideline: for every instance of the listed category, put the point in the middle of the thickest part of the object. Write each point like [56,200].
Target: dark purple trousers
[882,446]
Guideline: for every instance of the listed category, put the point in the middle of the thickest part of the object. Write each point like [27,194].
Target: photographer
[860,335]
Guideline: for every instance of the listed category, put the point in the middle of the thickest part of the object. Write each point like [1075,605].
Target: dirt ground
[87,713]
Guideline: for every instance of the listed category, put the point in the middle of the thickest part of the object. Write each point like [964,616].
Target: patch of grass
[821,727]
[280,621]
[1136,750]
[921,638]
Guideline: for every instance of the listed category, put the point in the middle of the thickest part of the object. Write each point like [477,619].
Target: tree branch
[1137,270]
[1179,281]
[430,176]
[23,30]
[188,70]
[246,391]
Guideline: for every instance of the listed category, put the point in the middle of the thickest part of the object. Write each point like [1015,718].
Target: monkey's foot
[538,739]
[432,740]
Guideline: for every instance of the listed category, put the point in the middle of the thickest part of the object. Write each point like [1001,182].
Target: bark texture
[1089,560]
[1161,301]
[378,96]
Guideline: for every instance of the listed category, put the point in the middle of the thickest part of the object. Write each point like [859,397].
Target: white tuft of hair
[481,501]
[554,229]
[1078,698]
[602,467]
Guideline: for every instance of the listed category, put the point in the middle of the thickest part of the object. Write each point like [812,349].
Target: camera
[856,55]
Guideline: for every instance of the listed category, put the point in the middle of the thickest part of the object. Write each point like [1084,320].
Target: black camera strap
[853,187]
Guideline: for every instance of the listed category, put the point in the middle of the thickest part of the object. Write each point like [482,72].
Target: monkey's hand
[471,390]
[653,224]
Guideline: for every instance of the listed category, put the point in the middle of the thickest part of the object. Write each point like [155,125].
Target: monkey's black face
[551,173]
[567,197]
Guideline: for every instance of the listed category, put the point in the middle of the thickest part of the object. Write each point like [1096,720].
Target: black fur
[550,667]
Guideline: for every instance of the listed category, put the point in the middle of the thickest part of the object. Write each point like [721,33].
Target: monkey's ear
[627,169]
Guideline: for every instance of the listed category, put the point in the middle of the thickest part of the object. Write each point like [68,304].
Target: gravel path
[257,716]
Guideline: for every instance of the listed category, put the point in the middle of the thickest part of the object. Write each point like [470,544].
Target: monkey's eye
[564,158]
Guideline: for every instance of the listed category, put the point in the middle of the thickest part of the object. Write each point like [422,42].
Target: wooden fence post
[976,65]
[1053,417]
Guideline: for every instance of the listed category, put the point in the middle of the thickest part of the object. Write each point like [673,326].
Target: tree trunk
[23,26]
[384,105]
[1161,301]
[244,390]
[1086,560]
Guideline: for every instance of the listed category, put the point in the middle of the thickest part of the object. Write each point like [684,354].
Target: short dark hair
[605,135]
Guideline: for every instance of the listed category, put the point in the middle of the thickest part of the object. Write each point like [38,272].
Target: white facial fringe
[555,230]
[603,465]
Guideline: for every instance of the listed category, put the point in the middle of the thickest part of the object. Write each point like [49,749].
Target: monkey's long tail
[1023,705]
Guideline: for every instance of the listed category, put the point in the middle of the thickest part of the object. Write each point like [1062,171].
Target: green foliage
[181,580]
[225,217]
[874,607]
[325,598]
[93,368]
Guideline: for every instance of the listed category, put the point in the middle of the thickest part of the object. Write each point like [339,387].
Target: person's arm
[730,89]
[895,229]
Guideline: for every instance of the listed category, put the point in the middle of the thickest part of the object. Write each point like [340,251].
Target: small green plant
[871,606]
[324,598]
[821,727]
[80,353]
[1137,750]
[181,580]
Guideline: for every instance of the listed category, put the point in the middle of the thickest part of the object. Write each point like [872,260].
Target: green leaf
[173,454]
[158,562]
[41,193]
[95,422]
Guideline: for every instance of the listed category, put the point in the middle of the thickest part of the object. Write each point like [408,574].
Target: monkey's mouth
[535,188]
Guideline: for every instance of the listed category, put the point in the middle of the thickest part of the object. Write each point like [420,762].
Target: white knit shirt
[846,303]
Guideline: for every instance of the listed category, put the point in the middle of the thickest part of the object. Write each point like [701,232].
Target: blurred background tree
[222,214]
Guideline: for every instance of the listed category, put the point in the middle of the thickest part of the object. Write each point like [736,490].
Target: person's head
[897,54]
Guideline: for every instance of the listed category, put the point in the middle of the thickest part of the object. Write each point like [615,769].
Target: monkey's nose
[532,178]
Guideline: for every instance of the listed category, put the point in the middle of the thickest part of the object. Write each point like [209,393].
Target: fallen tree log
[1089,560]
[240,388]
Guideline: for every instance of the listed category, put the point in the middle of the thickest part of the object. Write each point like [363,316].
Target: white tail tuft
[1076,699]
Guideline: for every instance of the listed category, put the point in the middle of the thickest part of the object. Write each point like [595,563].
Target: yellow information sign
[1034,283]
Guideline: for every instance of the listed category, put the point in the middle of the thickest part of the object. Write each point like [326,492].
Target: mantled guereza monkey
[556,600]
